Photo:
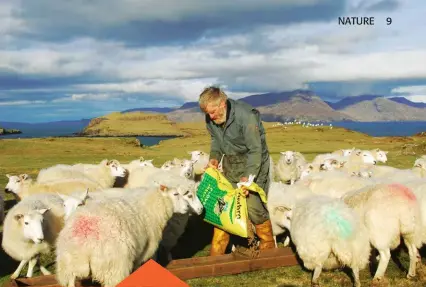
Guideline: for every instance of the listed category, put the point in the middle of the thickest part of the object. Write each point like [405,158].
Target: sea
[376,129]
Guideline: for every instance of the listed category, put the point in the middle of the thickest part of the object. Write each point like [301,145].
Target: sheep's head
[168,165]
[196,154]
[180,202]
[330,164]
[420,163]
[16,182]
[147,162]
[72,202]
[347,152]
[32,224]
[116,169]
[381,155]
[288,156]
[366,156]
[189,195]
[306,170]
[186,168]
[283,215]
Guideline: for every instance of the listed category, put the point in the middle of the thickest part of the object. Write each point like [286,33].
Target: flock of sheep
[341,204]
[105,220]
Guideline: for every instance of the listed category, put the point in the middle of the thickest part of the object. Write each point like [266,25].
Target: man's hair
[213,95]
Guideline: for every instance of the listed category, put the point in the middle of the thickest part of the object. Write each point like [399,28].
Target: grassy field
[30,155]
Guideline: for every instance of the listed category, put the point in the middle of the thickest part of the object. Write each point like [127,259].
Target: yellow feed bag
[225,206]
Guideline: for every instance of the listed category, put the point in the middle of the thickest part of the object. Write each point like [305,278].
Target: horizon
[106,56]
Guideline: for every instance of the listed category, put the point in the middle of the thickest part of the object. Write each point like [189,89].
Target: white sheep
[144,176]
[327,235]
[343,152]
[288,167]
[137,163]
[107,239]
[23,185]
[200,159]
[104,173]
[380,155]
[389,211]
[31,228]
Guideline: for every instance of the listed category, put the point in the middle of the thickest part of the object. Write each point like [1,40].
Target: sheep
[343,152]
[1,209]
[379,155]
[104,173]
[287,168]
[108,238]
[200,159]
[389,211]
[144,176]
[23,185]
[327,234]
[30,229]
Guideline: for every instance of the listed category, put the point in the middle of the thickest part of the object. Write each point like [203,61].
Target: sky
[68,60]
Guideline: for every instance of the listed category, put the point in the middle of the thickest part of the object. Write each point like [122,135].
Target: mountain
[348,101]
[407,102]
[383,109]
[152,110]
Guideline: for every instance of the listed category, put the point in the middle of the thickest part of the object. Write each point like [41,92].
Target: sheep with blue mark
[327,234]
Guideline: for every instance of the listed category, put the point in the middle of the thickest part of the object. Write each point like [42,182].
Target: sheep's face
[366,157]
[347,152]
[330,164]
[381,156]
[15,183]
[196,154]
[116,169]
[306,171]
[32,225]
[71,203]
[283,216]
[421,163]
[186,168]
[146,163]
[168,165]
[191,199]
[288,157]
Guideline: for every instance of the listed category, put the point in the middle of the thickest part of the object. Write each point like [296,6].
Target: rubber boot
[264,232]
[219,242]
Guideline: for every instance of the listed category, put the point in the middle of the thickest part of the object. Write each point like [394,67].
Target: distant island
[9,131]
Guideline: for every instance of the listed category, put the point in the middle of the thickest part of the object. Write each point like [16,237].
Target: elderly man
[238,135]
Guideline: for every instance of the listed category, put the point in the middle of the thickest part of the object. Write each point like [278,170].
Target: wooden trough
[197,267]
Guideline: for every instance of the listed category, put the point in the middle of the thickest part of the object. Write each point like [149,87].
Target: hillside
[132,124]
[382,109]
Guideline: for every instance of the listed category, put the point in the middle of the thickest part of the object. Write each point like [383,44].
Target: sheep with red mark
[31,228]
[104,173]
[389,211]
[109,238]
[327,234]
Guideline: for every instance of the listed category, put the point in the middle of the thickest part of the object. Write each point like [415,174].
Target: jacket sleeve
[252,140]
[214,145]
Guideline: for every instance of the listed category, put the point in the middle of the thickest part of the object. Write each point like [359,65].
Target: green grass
[30,155]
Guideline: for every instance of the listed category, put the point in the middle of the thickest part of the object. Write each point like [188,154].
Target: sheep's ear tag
[163,187]
[18,216]
[42,211]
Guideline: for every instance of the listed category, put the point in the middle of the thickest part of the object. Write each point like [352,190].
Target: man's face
[217,112]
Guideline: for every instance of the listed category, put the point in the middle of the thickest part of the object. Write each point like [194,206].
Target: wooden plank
[46,281]
[188,262]
[228,265]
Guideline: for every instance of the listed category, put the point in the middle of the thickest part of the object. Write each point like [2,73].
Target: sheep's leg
[355,271]
[19,269]
[287,241]
[71,283]
[275,240]
[44,270]
[383,264]
[413,260]
[315,277]
[31,264]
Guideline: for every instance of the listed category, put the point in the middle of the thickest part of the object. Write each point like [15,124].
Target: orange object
[152,274]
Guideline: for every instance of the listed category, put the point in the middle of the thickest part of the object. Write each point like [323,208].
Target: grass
[30,155]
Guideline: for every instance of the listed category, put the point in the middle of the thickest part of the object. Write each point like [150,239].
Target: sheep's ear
[386,152]
[282,152]
[354,173]
[62,196]
[163,187]
[150,160]
[108,163]
[358,152]
[43,210]
[18,217]
[377,149]
[342,163]
[189,152]
[8,175]
[141,158]
[85,195]
[24,176]
[311,167]
[334,161]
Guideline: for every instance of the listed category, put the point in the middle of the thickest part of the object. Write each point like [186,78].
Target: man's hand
[213,163]
[245,190]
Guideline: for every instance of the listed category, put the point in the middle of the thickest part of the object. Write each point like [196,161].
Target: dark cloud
[55,23]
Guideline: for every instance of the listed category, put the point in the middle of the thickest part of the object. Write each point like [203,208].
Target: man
[238,135]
